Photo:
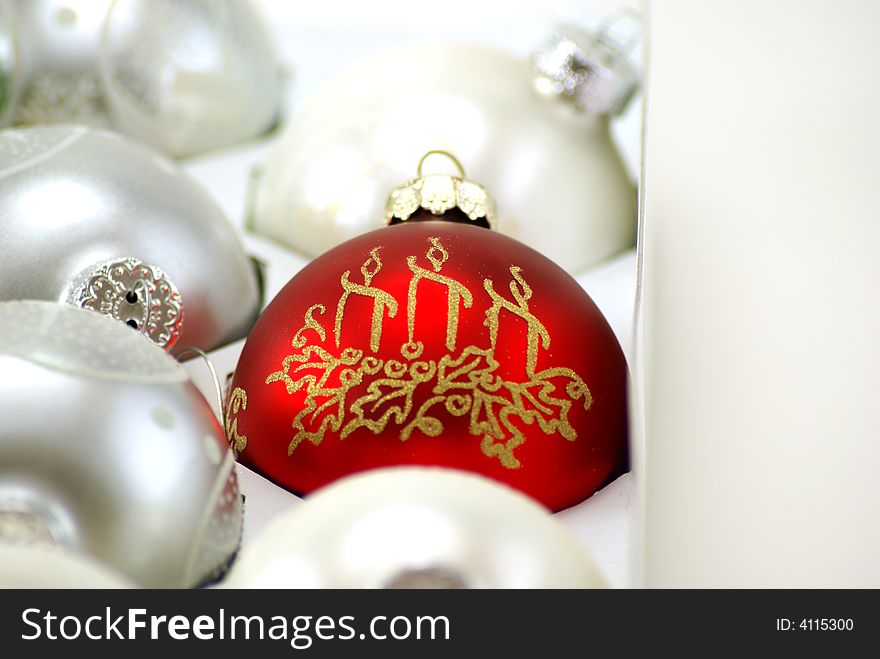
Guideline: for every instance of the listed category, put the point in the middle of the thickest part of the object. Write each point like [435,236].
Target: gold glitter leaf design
[311,324]
[461,383]
[237,402]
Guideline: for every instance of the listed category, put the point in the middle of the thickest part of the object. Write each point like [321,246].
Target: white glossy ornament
[411,527]
[559,184]
[89,217]
[108,449]
[184,76]
[40,566]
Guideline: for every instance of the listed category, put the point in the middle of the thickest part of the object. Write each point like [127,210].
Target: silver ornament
[89,218]
[415,527]
[185,76]
[108,449]
[559,183]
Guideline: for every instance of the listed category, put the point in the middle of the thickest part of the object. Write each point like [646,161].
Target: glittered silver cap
[135,293]
[590,68]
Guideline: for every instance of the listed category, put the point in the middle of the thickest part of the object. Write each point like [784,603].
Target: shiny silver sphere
[107,449]
[74,201]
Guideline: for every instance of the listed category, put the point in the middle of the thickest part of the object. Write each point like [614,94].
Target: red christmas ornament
[433,343]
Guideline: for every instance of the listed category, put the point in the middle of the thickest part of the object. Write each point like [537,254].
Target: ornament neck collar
[590,69]
[439,194]
[135,293]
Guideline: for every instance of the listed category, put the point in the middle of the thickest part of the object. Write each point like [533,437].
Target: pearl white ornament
[38,566]
[411,527]
[184,76]
[108,449]
[75,200]
[559,184]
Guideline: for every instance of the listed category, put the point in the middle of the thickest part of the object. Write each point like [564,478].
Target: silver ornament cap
[135,293]
[590,68]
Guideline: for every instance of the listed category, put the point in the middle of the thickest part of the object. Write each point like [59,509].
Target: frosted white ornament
[550,163]
[188,76]
[90,218]
[108,449]
[185,76]
[415,527]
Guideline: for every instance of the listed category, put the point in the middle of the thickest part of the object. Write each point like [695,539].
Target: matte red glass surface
[543,409]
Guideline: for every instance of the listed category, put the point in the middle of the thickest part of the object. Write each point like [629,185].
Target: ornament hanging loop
[217,388]
[440,152]
[141,287]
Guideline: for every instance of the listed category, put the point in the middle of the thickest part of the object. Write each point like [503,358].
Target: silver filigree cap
[439,193]
[590,68]
[135,293]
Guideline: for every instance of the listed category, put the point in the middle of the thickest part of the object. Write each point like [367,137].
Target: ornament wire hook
[440,152]
[217,388]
